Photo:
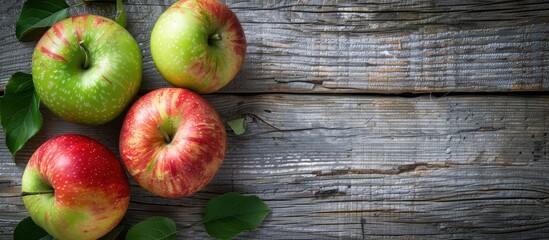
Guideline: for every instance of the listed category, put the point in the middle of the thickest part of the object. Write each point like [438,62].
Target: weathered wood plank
[355,46]
[354,166]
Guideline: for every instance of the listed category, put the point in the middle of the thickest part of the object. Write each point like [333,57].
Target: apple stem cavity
[23,194]
[167,137]
[86,63]
[214,38]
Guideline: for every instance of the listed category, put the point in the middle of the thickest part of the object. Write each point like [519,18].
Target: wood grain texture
[354,46]
[356,167]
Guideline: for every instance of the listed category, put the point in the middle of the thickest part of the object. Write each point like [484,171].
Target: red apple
[75,188]
[198,45]
[172,142]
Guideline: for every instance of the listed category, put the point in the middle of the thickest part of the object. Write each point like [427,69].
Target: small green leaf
[154,228]
[237,125]
[120,13]
[19,111]
[113,234]
[27,229]
[39,14]
[230,214]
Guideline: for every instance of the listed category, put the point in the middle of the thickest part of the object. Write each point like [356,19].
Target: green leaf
[157,228]
[237,125]
[113,234]
[230,214]
[27,229]
[19,111]
[120,13]
[37,15]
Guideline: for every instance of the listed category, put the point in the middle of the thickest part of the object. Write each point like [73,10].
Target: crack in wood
[329,193]
[393,171]
[481,129]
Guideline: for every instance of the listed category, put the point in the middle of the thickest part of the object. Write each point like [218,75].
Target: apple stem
[165,134]
[216,37]
[36,193]
[86,64]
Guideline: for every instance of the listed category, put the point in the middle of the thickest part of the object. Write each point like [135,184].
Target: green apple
[198,45]
[75,188]
[86,69]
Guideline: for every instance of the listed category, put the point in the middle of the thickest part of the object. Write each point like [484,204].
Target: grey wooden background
[366,119]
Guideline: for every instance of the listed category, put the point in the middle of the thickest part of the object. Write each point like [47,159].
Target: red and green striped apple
[75,188]
[198,45]
[172,142]
[86,69]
